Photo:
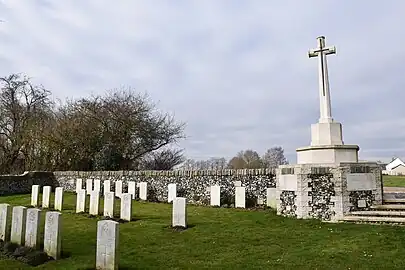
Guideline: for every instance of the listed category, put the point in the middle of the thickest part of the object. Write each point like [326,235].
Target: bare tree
[247,159]
[274,157]
[165,159]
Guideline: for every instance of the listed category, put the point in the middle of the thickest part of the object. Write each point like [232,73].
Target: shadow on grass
[179,228]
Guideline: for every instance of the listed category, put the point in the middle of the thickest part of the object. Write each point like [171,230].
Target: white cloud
[236,71]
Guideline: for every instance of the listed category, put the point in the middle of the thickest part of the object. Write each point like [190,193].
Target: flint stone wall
[193,185]
[21,184]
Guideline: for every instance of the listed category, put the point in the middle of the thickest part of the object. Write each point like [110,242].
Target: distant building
[395,167]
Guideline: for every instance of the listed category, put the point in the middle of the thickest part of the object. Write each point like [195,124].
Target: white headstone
[179,212]
[32,228]
[240,197]
[94,203]
[118,188]
[132,188]
[215,198]
[97,185]
[271,198]
[52,234]
[238,183]
[106,186]
[46,195]
[126,206]
[143,191]
[34,195]
[89,186]
[18,225]
[58,198]
[5,213]
[79,184]
[109,198]
[107,245]
[81,201]
[172,192]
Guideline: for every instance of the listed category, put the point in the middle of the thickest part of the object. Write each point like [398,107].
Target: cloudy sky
[237,72]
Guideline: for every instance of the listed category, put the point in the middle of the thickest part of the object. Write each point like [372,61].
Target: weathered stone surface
[58,198]
[94,203]
[126,207]
[89,186]
[360,181]
[179,212]
[106,186]
[172,192]
[18,225]
[97,185]
[35,195]
[32,228]
[143,191]
[81,201]
[132,189]
[240,194]
[271,198]
[215,198]
[107,245]
[118,188]
[79,184]
[109,198]
[5,214]
[53,234]
[46,196]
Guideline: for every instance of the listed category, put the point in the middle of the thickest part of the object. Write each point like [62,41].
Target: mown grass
[394,181]
[223,238]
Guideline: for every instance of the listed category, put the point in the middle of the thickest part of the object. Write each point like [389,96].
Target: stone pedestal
[327,191]
[328,154]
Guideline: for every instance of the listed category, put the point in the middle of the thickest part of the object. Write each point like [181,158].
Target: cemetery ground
[394,180]
[223,238]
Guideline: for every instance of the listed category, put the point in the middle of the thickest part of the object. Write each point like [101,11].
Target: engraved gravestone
[109,198]
[52,234]
[132,189]
[106,186]
[171,192]
[89,186]
[32,228]
[240,197]
[18,225]
[81,201]
[46,195]
[34,195]
[94,203]
[79,184]
[179,212]
[58,198]
[5,213]
[97,185]
[271,197]
[215,198]
[107,245]
[118,188]
[143,191]
[126,206]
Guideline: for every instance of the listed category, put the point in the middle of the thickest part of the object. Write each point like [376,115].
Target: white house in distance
[395,167]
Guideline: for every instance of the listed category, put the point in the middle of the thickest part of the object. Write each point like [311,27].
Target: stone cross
[215,198]
[32,228]
[18,225]
[107,245]
[179,215]
[132,189]
[58,198]
[240,201]
[81,201]
[324,93]
[46,195]
[79,184]
[172,193]
[94,203]
[143,191]
[126,207]
[109,198]
[89,186]
[106,186]
[52,234]
[118,188]
[5,214]
[97,185]
[34,195]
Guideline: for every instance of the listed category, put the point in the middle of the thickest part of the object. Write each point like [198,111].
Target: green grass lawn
[394,181]
[221,238]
